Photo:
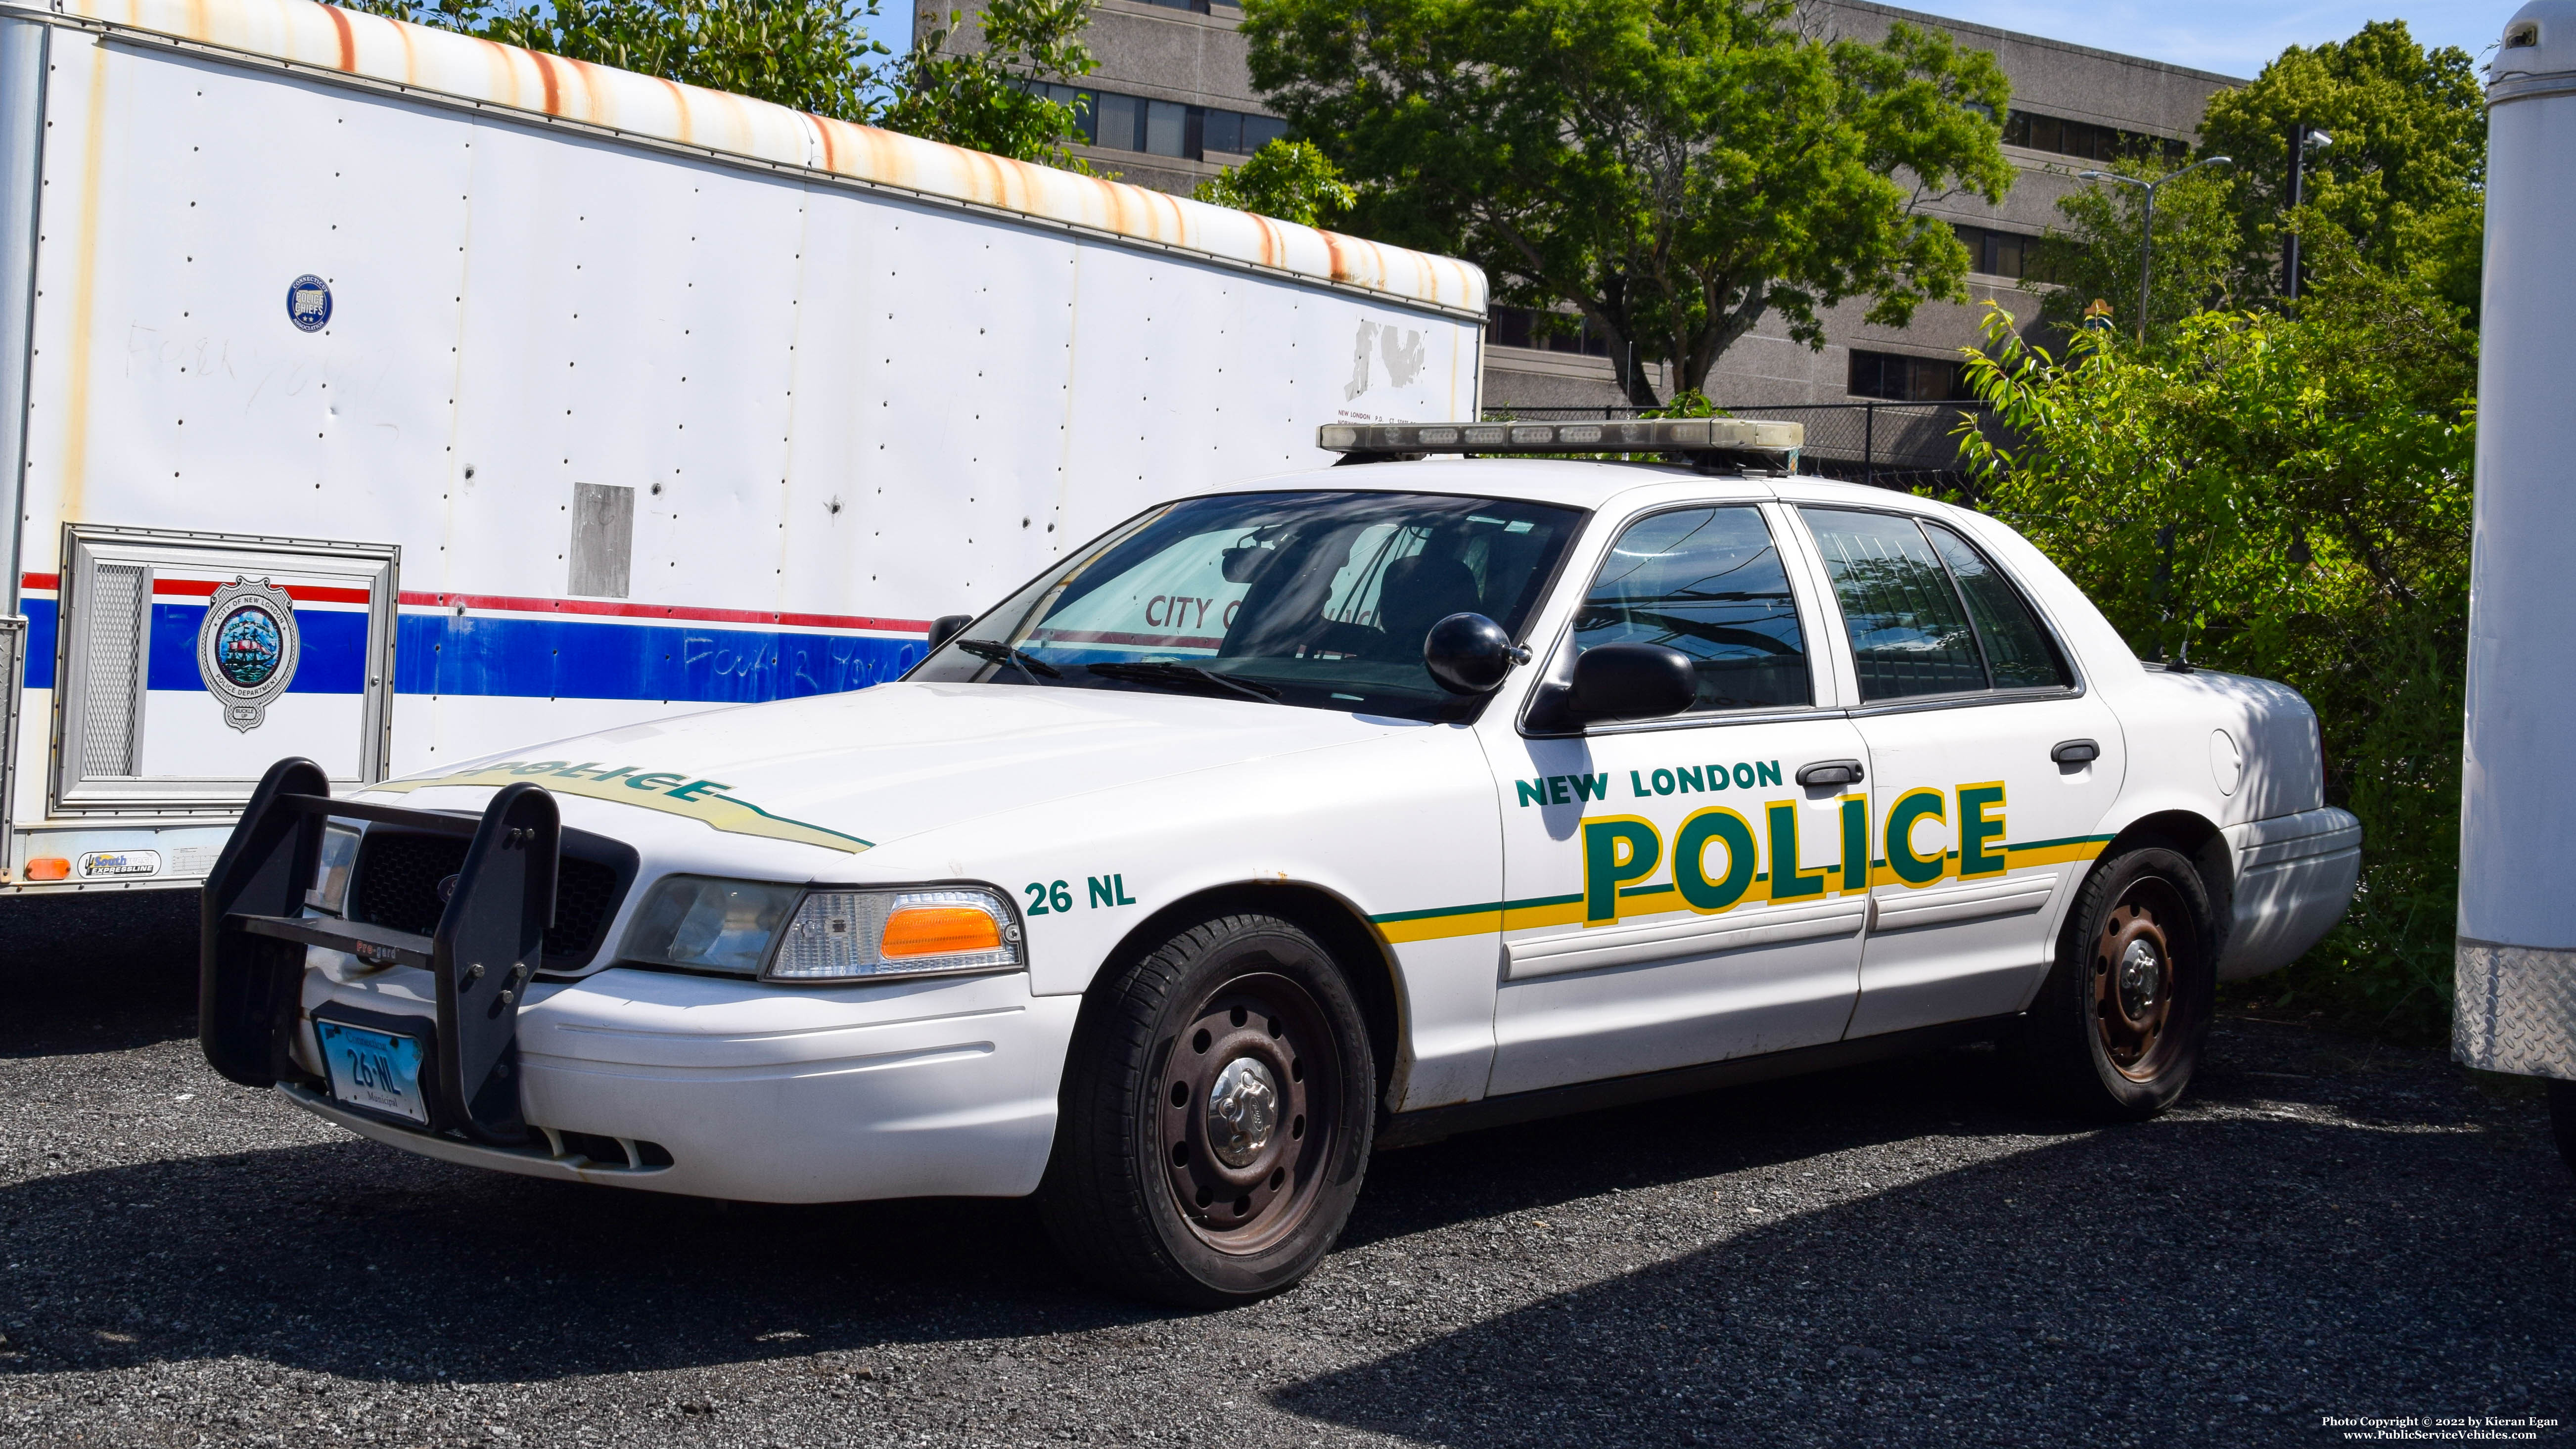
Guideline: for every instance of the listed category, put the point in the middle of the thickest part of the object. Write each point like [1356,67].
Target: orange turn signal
[939,931]
[49,867]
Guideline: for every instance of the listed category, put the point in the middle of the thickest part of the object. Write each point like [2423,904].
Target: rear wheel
[1215,1118]
[2118,1028]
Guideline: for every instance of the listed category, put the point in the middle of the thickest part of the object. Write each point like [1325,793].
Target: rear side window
[2018,652]
[1708,582]
[1926,612]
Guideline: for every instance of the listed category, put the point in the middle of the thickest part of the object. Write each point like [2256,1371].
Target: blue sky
[2232,37]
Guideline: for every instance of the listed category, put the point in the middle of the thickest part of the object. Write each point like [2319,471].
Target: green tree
[2286,497]
[2404,177]
[815,56]
[1291,180]
[983,98]
[1677,169]
[2096,256]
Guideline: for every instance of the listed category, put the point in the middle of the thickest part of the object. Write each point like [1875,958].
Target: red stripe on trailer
[510,603]
[205,588]
[613,609]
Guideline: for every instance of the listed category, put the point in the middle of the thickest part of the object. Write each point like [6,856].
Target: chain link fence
[1913,446]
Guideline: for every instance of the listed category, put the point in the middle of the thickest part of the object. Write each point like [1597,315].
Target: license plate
[377,1070]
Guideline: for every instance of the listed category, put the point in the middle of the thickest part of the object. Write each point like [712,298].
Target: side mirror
[1470,654]
[1630,681]
[947,627]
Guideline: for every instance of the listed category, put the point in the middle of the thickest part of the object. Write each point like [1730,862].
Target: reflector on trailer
[1641,435]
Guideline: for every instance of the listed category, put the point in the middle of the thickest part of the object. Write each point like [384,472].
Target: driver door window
[1708,582]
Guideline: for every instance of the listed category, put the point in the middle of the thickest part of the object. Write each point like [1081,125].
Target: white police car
[1358,806]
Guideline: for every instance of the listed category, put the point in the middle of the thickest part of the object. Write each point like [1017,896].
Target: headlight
[706,924]
[863,935]
[330,891]
[742,927]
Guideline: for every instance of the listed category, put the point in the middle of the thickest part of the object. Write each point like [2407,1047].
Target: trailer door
[186,664]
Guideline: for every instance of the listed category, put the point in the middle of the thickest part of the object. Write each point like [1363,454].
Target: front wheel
[2118,1027]
[1215,1119]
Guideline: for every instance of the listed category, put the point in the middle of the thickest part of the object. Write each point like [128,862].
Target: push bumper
[2295,874]
[714,1087]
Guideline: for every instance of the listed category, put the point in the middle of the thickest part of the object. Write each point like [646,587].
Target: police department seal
[308,303]
[247,649]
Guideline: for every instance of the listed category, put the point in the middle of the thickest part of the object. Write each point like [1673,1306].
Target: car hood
[850,772]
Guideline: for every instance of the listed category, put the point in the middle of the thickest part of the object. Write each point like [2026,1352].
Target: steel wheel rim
[2137,974]
[1238,1189]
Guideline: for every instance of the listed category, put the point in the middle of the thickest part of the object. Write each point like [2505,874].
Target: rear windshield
[1317,600]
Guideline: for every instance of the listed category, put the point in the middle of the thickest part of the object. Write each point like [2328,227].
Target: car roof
[1597,486]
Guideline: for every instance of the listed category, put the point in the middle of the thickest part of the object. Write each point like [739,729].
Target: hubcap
[1243,1111]
[2142,977]
[2134,979]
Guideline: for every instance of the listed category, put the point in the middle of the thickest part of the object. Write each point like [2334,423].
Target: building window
[1545,331]
[1116,122]
[1898,378]
[2085,140]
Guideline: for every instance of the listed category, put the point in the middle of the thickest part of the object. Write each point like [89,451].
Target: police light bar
[1644,435]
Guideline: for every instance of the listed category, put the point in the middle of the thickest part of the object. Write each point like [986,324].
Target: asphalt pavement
[1903,1254]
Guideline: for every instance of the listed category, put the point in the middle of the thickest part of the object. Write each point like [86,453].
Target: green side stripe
[2061,840]
[1393,917]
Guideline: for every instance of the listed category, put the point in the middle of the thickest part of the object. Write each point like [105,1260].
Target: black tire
[2118,1028]
[2562,1119]
[1168,1180]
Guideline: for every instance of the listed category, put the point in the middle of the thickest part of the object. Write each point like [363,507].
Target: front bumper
[757,1093]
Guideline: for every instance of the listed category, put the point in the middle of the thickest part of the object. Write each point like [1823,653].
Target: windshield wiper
[1000,653]
[1162,671]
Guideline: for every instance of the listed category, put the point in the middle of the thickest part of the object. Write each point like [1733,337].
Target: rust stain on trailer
[75,466]
[377,47]
[546,73]
[348,42]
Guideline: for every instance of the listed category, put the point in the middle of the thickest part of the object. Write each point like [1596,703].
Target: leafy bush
[2284,496]
[1290,180]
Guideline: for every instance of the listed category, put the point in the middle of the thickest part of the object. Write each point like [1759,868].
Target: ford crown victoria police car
[1356,806]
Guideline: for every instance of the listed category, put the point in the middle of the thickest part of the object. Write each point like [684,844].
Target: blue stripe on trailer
[332,658]
[568,659]
[531,658]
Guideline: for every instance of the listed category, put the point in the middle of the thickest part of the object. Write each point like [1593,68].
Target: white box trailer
[389,397]
[2515,1005]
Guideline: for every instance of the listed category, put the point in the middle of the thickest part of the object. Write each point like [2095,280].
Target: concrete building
[1173,104]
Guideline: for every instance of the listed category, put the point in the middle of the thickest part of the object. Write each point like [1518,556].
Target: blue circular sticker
[308,302]
[249,646]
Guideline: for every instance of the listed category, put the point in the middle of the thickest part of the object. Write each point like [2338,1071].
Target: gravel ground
[1901,1254]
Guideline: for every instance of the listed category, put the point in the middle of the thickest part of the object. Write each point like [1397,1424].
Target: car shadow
[2207,1240]
[354,1259]
[2293,1246]
[101,972]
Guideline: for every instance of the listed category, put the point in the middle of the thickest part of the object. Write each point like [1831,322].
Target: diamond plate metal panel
[2516,1010]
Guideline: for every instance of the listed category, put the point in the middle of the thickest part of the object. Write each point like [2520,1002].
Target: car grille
[397,886]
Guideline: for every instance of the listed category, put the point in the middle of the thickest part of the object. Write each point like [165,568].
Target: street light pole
[2147,233]
[2302,140]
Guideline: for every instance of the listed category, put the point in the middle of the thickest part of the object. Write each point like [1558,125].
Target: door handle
[2075,752]
[1830,772]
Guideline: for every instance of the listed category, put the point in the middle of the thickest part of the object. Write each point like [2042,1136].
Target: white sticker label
[112,864]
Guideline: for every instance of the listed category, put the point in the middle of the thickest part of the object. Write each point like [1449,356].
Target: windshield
[1318,600]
